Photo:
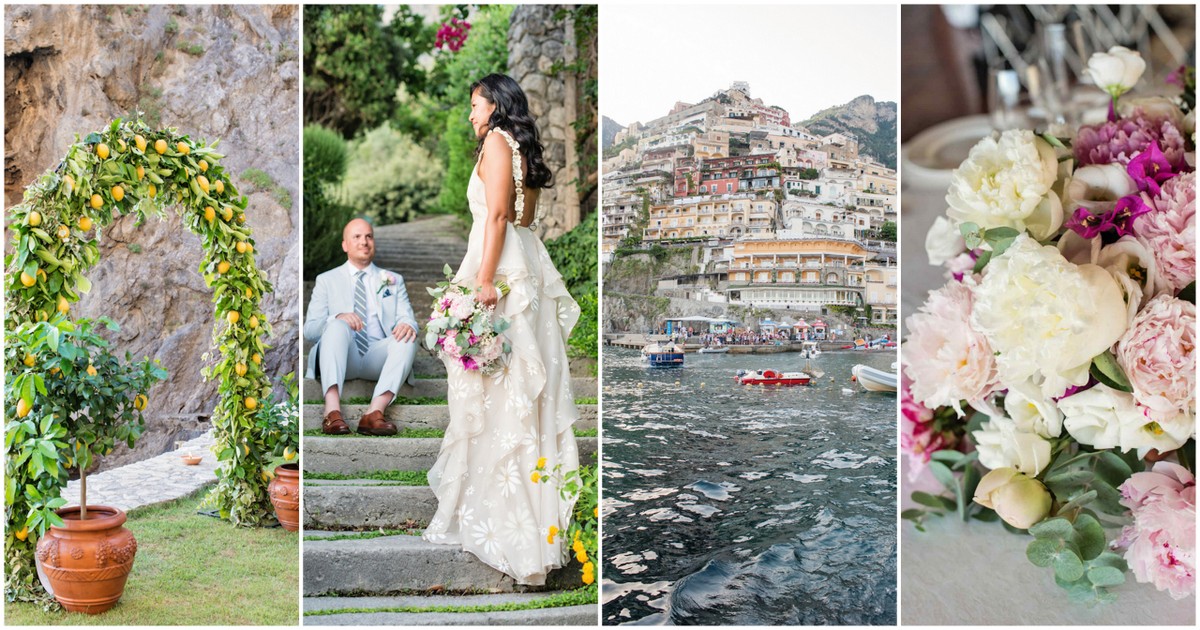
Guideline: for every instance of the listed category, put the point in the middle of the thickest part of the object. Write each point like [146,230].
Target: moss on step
[578,597]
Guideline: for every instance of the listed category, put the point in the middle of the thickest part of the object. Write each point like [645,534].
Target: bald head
[358,241]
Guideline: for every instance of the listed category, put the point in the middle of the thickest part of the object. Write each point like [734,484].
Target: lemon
[141,173]
[28,280]
[220,186]
[202,181]
[140,401]
[23,408]
[227,213]
[182,147]
[249,247]
[140,142]
[64,232]
[203,166]
[251,404]
[152,191]
[233,317]
[256,358]
[265,476]
[102,151]
[223,267]
[160,146]
[29,360]
[35,219]
[121,146]
[253,322]
[22,534]
[241,218]
[289,454]
[241,247]
[209,214]
[63,305]
[118,193]
[249,293]
[85,223]
[97,202]
[240,369]
[91,370]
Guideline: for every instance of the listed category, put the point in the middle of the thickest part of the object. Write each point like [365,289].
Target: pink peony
[1169,231]
[1156,353]
[1122,139]
[949,360]
[918,438]
[1161,542]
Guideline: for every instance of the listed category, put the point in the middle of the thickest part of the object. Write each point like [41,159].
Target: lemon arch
[130,168]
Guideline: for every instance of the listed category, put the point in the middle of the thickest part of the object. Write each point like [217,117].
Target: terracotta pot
[87,561]
[285,496]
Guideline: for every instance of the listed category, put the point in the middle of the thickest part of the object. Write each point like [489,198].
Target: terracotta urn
[285,496]
[87,561]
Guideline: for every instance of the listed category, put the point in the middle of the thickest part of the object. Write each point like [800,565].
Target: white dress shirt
[374,320]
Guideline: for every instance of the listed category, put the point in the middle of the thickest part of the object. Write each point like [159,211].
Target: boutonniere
[386,282]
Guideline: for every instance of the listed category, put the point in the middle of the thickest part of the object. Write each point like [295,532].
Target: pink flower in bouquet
[469,363]
[1157,354]
[948,359]
[1120,219]
[1161,543]
[917,435]
[462,306]
[1122,139]
[1169,231]
[450,345]
[1150,169]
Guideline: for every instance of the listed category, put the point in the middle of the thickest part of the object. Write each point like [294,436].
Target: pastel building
[798,274]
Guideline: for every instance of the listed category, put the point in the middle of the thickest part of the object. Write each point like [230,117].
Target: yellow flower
[535,476]
[541,463]
[581,556]
[552,534]
[577,546]
[589,573]
[578,533]
[596,511]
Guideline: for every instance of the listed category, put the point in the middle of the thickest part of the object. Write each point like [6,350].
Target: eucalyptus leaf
[1041,552]
[1090,535]
[1106,369]
[1053,528]
[942,473]
[1067,565]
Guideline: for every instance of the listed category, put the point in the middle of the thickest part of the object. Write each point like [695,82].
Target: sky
[801,58]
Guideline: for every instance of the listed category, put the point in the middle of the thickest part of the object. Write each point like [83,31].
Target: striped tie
[360,309]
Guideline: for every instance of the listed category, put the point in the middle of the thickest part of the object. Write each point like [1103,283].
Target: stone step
[352,455]
[403,564]
[339,505]
[425,363]
[581,387]
[419,416]
[584,615]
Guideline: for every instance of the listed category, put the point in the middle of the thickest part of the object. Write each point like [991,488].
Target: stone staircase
[359,569]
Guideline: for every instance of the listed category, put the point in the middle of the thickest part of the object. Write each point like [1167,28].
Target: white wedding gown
[501,424]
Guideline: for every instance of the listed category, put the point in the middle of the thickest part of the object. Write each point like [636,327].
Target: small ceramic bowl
[191,460]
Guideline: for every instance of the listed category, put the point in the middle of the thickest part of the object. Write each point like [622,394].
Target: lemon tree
[126,168]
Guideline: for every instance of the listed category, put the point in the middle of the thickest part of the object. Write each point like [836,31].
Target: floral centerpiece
[464,331]
[1050,383]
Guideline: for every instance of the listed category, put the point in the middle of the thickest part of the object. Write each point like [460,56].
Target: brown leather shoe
[373,424]
[334,424]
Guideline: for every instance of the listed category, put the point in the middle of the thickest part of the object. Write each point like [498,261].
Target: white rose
[1117,70]
[1164,432]
[1095,416]
[1098,187]
[1020,500]
[943,242]
[1032,412]
[1006,181]
[1132,266]
[1046,317]
[1002,445]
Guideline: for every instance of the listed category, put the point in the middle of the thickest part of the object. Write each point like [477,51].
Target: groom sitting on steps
[364,327]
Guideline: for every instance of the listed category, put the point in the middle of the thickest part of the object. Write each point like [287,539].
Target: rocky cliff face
[228,72]
[873,122]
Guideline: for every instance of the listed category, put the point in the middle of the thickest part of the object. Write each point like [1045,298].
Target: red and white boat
[771,377]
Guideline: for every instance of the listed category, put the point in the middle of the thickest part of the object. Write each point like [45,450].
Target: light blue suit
[387,361]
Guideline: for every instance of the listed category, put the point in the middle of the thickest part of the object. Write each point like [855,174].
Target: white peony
[1046,317]
[1096,416]
[1032,412]
[1117,70]
[943,242]
[1006,181]
[1001,444]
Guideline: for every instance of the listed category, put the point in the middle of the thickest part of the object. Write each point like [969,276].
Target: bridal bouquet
[463,330]
[1050,383]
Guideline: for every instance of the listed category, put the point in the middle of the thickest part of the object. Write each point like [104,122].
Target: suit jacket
[334,294]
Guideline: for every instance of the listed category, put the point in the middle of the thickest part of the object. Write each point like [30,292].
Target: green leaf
[1112,469]
[1106,370]
[912,514]
[1042,552]
[933,501]
[1078,502]
[1188,293]
[984,258]
[1090,535]
[942,473]
[1105,576]
[1067,565]
[1053,528]
[971,233]
[948,456]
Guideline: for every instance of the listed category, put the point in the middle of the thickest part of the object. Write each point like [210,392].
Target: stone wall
[228,72]
[536,40]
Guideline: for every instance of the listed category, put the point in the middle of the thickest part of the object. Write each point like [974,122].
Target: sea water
[748,505]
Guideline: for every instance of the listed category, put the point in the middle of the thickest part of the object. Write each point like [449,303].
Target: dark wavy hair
[512,115]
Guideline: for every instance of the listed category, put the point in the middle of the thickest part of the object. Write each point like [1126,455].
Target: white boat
[810,350]
[874,380]
[713,350]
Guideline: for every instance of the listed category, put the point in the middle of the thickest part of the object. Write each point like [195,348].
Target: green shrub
[324,164]
[390,178]
[324,155]
[575,256]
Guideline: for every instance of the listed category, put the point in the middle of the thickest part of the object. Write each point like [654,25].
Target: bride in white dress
[501,424]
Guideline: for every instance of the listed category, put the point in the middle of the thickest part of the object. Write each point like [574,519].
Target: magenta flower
[1120,218]
[1123,139]
[1150,169]
[469,363]
[918,438]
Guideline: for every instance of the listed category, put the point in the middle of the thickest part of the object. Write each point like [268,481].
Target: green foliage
[192,49]
[575,256]
[90,188]
[1076,552]
[325,156]
[576,597]
[583,531]
[277,426]
[354,63]
[888,231]
[390,178]
[485,52]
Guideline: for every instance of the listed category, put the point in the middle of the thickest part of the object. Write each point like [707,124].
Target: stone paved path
[150,481]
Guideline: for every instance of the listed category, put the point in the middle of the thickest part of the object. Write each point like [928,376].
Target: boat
[771,377]
[668,354]
[810,350]
[713,350]
[874,380]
